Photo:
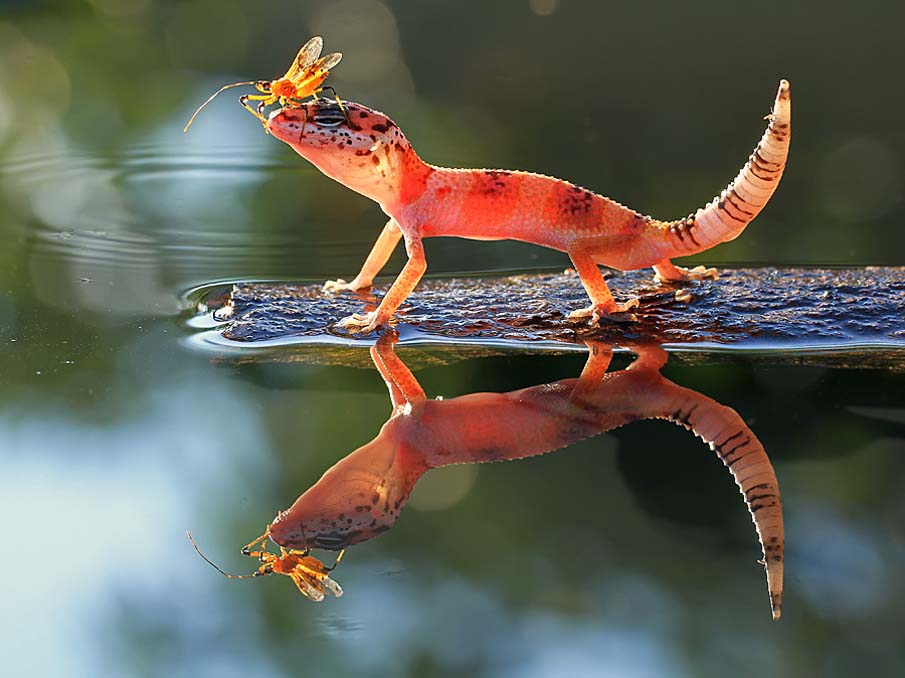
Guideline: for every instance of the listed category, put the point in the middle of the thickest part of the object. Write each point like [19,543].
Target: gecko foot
[683,296]
[618,314]
[340,285]
[362,323]
[679,274]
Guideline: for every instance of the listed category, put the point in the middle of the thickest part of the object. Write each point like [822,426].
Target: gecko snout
[287,124]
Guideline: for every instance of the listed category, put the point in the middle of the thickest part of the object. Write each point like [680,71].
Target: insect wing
[307,55]
[313,570]
[331,587]
[309,587]
[327,62]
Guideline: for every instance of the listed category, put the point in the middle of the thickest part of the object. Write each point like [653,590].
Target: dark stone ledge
[856,315]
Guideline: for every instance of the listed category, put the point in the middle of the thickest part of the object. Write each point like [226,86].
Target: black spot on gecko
[577,201]
[492,183]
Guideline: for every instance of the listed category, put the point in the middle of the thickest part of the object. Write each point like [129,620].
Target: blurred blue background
[116,434]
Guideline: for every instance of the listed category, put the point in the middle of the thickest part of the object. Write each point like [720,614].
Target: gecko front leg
[386,242]
[405,391]
[403,285]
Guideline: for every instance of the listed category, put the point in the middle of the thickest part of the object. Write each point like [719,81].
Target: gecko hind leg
[667,272]
[603,306]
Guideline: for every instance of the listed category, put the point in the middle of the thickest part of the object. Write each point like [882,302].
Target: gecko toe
[616,317]
[619,313]
[679,274]
[334,286]
[701,273]
[683,296]
[361,323]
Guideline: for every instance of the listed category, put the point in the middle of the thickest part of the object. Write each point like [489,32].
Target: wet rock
[756,308]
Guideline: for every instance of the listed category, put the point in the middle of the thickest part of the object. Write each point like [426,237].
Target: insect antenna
[216,567]
[211,98]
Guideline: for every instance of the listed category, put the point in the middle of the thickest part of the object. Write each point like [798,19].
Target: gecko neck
[390,173]
[402,174]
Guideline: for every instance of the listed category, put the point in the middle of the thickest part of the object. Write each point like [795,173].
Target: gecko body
[367,152]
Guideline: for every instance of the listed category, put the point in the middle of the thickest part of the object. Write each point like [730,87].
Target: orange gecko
[362,495]
[367,152]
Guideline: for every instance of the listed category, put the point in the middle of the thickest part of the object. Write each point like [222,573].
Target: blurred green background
[117,433]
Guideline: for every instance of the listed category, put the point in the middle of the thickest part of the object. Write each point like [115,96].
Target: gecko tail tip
[776,606]
[784,89]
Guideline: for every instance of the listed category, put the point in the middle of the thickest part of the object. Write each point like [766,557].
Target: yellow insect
[303,79]
[309,574]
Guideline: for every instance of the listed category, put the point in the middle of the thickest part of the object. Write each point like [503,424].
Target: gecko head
[351,143]
[357,499]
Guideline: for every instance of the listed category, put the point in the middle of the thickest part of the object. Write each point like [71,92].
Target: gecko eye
[330,541]
[329,118]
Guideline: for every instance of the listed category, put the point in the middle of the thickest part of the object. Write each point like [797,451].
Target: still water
[629,552]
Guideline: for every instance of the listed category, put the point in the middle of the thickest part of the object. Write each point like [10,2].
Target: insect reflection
[303,79]
[309,574]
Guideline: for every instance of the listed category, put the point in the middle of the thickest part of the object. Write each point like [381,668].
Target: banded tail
[726,216]
[739,449]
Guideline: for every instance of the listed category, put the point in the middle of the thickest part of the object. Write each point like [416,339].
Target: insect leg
[338,559]
[265,99]
[335,96]
[246,550]
[244,101]
[264,557]
[332,91]
[304,124]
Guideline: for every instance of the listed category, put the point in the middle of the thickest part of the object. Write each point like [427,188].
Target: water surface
[122,426]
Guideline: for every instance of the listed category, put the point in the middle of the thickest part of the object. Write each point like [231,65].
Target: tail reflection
[361,496]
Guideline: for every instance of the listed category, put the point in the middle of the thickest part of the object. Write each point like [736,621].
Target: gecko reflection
[362,495]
